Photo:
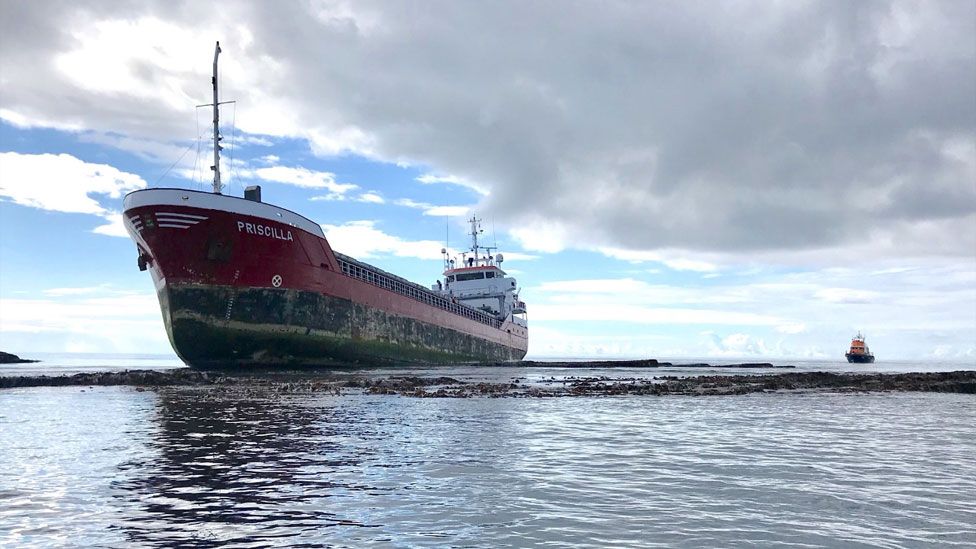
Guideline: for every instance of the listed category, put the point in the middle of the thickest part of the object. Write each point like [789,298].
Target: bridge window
[470,276]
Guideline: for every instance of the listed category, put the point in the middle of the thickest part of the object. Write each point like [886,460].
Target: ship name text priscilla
[264,230]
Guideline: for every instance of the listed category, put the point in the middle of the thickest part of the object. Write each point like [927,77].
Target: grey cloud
[33,34]
[708,126]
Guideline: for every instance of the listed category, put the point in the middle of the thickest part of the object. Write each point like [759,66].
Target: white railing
[382,279]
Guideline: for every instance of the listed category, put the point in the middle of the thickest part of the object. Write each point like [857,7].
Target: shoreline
[638,363]
[447,387]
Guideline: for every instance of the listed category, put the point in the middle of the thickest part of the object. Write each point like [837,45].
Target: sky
[666,179]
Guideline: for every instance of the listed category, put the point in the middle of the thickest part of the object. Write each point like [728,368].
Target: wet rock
[642,363]
[276,384]
[8,358]
[151,378]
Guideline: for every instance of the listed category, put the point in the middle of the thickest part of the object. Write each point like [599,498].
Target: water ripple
[191,468]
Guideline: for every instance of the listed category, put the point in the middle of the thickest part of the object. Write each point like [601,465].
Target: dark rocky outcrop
[642,363]
[441,386]
[740,365]
[180,376]
[7,358]
[944,382]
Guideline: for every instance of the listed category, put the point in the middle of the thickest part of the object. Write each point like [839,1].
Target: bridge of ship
[485,287]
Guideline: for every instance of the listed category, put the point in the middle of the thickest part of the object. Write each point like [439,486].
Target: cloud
[822,129]
[331,197]
[371,197]
[674,263]
[628,300]
[114,227]
[258,141]
[63,183]
[432,210]
[846,295]
[793,328]
[952,352]
[606,312]
[60,292]
[430,179]
[106,319]
[909,311]
[302,177]
[597,286]
[148,149]
[736,345]
[410,203]
[542,236]
[447,211]
[517,256]
[362,240]
[549,342]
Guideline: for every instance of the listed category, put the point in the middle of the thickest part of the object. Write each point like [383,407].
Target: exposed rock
[446,387]
[7,358]
[180,376]
[741,365]
[643,363]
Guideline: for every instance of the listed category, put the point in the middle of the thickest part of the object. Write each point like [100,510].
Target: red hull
[190,239]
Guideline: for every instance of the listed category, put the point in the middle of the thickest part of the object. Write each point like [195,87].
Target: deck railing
[382,279]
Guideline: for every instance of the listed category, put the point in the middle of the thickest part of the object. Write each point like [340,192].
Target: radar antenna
[475,231]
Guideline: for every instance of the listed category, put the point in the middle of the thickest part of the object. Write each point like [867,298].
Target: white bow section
[218,202]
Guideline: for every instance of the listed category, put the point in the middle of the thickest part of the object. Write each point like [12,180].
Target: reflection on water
[241,471]
[198,468]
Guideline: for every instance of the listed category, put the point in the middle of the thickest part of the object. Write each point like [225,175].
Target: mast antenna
[494,235]
[475,227]
[217,186]
[216,129]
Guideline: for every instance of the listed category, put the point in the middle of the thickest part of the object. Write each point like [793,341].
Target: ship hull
[275,327]
[245,284]
[859,359]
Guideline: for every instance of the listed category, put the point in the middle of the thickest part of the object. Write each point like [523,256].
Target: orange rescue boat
[859,351]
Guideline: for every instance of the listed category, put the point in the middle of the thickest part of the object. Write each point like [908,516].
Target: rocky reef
[944,382]
[642,363]
[518,386]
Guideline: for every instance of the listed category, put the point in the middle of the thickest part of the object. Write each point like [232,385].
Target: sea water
[197,467]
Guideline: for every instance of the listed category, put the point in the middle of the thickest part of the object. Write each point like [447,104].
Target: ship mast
[475,247]
[474,237]
[216,130]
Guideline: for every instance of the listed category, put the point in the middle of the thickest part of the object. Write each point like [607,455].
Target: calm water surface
[118,467]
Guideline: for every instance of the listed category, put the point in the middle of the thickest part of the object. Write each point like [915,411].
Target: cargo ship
[242,282]
[859,351]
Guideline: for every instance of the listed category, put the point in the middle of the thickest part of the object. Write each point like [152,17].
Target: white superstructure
[479,282]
